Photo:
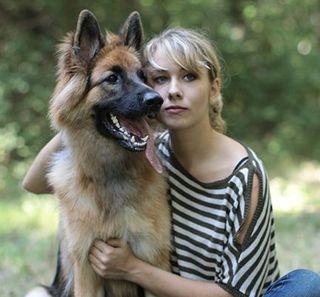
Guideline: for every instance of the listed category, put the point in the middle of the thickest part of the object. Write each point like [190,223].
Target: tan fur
[104,191]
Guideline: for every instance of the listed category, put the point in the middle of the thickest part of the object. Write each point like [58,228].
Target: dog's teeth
[133,139]
[115,120]
[141,144]
[124,131]
[145,138]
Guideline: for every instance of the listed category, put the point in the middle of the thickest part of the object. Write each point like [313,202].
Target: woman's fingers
[95,260]
[112,259]
[101,246]
[114,243]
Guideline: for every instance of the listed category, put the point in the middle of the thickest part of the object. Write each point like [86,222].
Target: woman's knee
[297,283]
[307,279]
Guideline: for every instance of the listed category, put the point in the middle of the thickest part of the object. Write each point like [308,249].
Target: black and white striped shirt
[206,218]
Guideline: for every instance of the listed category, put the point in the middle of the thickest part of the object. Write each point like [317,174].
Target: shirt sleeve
[247,269]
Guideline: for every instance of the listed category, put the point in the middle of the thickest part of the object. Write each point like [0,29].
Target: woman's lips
[175,109]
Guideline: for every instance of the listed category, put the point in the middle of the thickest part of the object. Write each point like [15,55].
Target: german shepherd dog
[107,177]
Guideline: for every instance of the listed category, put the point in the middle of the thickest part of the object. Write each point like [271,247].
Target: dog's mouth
[132,135]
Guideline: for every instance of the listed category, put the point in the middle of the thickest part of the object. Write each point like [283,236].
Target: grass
[28,225]
[28,243]
[296,201]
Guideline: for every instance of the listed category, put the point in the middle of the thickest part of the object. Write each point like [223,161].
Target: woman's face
[186,94]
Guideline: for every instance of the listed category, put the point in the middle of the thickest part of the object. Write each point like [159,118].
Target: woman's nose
[175,91]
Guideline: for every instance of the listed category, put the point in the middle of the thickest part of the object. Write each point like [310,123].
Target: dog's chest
[108,186]
[104,206]
[136,230]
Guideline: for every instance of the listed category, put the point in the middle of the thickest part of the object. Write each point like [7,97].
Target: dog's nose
[152,99]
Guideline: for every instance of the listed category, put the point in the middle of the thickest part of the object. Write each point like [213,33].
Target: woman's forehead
[162,59]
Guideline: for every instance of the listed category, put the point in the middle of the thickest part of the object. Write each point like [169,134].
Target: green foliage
[269,50]
[273,64]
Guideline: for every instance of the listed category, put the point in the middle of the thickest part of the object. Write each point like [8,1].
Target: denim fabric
[297,283]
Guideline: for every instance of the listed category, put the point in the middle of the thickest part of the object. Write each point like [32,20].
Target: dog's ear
[88,39]
[132,31]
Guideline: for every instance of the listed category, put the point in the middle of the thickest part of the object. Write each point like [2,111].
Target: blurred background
[270,53]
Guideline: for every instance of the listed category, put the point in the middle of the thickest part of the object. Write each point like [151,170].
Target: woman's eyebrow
[157,71]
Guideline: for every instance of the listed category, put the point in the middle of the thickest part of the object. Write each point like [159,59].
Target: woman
[222,224]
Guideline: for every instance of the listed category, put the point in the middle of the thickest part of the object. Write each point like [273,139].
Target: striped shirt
[206,219]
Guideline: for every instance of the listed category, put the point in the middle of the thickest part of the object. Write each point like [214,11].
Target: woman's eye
[112,79]
[190,77]
[159,79]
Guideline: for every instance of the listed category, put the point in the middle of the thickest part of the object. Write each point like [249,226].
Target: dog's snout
[152,99]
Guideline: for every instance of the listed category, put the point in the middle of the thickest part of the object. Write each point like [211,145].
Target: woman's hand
[112,260]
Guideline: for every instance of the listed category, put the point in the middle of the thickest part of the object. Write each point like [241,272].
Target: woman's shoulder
[254,162]
[247,165]
[235,158]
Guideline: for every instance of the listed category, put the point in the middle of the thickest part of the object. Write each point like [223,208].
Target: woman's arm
[35,180]
[113,261]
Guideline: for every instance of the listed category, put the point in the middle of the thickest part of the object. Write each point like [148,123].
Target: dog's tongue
[141,128]
[151,154]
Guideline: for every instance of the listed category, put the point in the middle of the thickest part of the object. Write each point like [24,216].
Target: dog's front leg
[86,282]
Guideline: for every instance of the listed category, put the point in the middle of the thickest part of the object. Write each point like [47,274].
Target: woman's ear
[215,89]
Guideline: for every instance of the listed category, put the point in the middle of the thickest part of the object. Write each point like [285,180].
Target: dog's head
[101,83]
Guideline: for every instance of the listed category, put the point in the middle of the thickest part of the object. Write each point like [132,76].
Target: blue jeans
[297,283]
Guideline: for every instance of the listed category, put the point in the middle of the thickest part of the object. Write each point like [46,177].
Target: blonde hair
[190,50]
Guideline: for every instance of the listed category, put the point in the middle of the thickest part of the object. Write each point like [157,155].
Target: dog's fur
[105,190]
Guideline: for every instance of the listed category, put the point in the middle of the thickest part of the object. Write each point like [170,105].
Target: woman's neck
[192,146]
[205,153]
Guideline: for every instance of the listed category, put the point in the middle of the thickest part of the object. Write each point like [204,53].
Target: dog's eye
[112,79]
[142,76]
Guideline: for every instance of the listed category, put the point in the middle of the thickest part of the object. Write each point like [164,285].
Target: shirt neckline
[218,182]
